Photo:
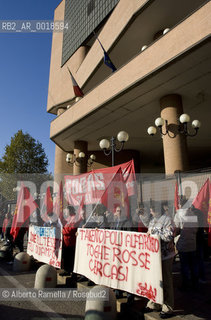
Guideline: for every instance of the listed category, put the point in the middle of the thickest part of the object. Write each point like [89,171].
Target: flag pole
[100,198]
[179,181]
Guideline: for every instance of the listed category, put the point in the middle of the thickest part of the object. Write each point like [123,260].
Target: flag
[176,197]
[107,60]
[81,208]
[202,202]
[77,90]
[116,194]
[47,203]
[209,211]
[209,219]
[14,229]
[25,206]
[59,204]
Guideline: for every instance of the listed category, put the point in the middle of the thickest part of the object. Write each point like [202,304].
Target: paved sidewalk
[190,305]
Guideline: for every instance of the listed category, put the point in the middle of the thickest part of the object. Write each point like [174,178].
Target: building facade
[162,52]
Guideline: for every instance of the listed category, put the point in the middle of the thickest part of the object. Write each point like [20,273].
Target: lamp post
[71,158]
[104,144]
[181,128]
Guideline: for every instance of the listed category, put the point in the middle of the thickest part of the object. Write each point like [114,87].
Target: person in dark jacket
[69,241]
[120,222]
[187,227]
[4,226]
[200,239]
[2,218]
[8,236]
[52,222]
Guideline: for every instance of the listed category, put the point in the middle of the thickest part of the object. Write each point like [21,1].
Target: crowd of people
[181,233]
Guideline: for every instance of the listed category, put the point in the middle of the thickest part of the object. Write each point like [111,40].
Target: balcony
[178,62]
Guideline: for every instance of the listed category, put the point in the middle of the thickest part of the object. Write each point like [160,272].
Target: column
[80,165]
[175,149]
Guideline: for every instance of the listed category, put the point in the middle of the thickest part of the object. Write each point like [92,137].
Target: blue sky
[24,65]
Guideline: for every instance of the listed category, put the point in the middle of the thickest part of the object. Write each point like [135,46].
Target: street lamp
[104,144]
[71,158]
[182,126]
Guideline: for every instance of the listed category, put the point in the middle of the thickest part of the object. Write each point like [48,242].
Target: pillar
[175,149]
[80,165]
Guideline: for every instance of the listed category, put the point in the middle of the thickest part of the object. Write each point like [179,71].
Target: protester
[35,219]
[186,223]
[121,222]
[2,217]
[200,241]
[8,236]
[97,218]
[19,241]
[101,217]
[161,224]
[140,227]
[69,241]
[4,227]
[82,220]
[52,221]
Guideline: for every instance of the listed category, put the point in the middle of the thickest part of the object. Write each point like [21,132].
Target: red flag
[176,197]
[209,216]
[59,204]
[25,206]
[203,203]
[77,90]
[81,208]
[209,219]
[48,203]
[116,194]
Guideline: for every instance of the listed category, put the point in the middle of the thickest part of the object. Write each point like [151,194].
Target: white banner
[128,261]
[45,245]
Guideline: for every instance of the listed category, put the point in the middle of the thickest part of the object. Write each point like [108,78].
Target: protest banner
[45,245]
[90,187]
[128,261]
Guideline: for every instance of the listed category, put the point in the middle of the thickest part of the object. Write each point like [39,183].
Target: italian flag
[77,90]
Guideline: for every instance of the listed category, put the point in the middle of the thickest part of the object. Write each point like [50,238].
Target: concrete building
[162,52]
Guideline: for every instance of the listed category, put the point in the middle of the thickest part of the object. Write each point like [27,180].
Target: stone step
[122,308]
[61,280]
[121,304]
[155,316]
[66,281]
[84,285]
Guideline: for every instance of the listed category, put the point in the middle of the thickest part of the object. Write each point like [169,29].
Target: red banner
[93,186]
[24,208]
